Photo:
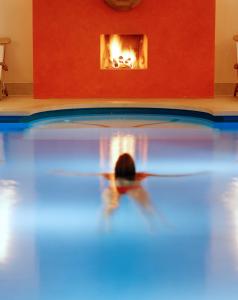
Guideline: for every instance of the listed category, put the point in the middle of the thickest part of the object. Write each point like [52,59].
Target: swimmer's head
[125,167]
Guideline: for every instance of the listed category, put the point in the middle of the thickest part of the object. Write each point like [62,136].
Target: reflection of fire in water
[8,197]
[111,149]
[119,145]
[123,51]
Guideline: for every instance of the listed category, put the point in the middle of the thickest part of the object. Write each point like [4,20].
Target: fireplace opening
[123,51]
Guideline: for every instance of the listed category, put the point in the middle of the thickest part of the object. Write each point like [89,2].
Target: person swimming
[125,167]
[125,180]
[125,175]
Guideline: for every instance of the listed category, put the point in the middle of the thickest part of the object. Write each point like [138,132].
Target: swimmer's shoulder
[108,176]
[141,175]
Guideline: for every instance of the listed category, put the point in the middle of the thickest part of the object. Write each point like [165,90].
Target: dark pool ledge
[116,111]
[22,122]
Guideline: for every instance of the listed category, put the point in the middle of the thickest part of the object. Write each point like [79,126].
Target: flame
[120,57]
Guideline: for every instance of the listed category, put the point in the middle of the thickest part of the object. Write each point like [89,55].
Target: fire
[121,57]
[123,51]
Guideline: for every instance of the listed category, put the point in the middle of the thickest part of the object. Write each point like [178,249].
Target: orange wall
[19,28]
[66,49]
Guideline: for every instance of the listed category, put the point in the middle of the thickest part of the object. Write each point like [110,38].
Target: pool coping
[24,109]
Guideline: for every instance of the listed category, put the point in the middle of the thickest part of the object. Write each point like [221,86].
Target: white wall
[226,27]
[16,22]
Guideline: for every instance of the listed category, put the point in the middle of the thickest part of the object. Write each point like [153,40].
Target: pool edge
[16,119]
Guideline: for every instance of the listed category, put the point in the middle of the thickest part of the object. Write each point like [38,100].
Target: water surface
[55,242]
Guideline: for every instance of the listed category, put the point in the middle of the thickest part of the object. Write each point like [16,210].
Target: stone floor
[25,105]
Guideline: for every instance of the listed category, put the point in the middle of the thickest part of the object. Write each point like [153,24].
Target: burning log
[122,63]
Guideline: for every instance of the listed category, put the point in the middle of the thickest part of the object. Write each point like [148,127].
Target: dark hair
[125,167]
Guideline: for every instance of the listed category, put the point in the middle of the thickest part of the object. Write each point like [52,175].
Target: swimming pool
[55,242]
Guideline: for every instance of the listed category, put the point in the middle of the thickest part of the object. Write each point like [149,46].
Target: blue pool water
[55,242]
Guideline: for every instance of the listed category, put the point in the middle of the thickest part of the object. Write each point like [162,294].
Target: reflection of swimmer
[126,181]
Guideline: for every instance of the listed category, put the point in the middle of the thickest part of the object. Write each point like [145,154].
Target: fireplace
[146,49]
[123,52]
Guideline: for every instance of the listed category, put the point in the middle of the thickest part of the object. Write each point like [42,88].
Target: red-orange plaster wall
[67,50]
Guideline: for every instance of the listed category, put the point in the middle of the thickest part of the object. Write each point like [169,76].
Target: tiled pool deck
[26,106]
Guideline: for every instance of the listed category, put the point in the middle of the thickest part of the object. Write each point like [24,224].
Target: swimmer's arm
[68,173]
[141,176]
[108,176]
